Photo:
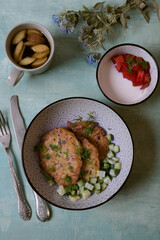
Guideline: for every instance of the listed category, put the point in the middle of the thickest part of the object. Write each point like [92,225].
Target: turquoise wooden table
[134,213]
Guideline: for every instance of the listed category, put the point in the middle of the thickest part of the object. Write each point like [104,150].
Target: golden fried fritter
[59,156]
[90,158]
[95,134]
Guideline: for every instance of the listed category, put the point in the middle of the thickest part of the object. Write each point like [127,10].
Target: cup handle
[14,77]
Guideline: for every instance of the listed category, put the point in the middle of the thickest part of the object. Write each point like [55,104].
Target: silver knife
[42,209]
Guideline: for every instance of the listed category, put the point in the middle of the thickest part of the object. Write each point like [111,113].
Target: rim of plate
[62,207]
[127,44]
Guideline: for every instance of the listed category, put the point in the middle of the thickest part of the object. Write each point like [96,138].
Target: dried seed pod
[19,37]
[32,31]
[40,48]
[41,54]
[26,61]
[17,51]
[39,62]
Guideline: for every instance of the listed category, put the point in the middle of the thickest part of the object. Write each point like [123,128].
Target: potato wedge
[17,51]
[35,38]
[26,61]
[39,62]
[41,54]
[19,37]
[31,31]
[40,48]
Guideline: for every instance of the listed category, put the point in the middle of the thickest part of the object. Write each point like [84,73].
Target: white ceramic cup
[17,72]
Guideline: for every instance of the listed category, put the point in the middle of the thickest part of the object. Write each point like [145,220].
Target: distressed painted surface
[134,213]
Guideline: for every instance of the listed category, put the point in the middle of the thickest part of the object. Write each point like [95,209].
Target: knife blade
[42,209]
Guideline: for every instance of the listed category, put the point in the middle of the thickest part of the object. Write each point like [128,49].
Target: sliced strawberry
[128,56]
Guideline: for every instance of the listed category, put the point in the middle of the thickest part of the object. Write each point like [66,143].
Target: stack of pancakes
[68,154]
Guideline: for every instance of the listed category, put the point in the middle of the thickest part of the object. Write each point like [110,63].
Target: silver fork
[5,137]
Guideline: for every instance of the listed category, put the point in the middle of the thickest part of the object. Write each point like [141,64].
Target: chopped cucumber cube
[111,161]
[111,146]
[106,166]
[73,192]
[61,191]
[101,173]
[93,180]
[116,149]
[105,160]
[81,190]
[117,171]
[117,165]
[106,180]
[103,186]
[97,191]
[80,183]
[78,192]
[86,194]
[110,137]
[100,180]
[110,154]
[51,182]
[116,159]
[97,186]
[89,186]
[112,172]
[74,198]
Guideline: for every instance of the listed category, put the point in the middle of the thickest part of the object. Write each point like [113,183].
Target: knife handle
[42,209]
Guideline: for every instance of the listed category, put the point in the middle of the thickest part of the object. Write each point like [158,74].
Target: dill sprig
[97,22]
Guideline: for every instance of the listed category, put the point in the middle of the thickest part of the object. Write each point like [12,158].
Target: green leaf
[85,8]
[123,21]
[144,13]
[157,8]
[99,5]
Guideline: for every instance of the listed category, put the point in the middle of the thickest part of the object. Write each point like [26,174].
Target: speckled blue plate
[56,115]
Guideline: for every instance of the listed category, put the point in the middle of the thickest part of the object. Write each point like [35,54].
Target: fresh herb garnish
[79,119]
[52,169]
[144,65]
[130,60]
[79,151]
[57,155]
[66,153]
[88,131]
[70,168]
[90,116]
[86,154]
[130,70]
[47,156]
[54,147]
[67,179]
[39,147]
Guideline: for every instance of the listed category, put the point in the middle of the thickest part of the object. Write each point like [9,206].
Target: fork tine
[4,126]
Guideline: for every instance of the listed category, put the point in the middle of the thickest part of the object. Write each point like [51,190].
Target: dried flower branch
[99,21]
